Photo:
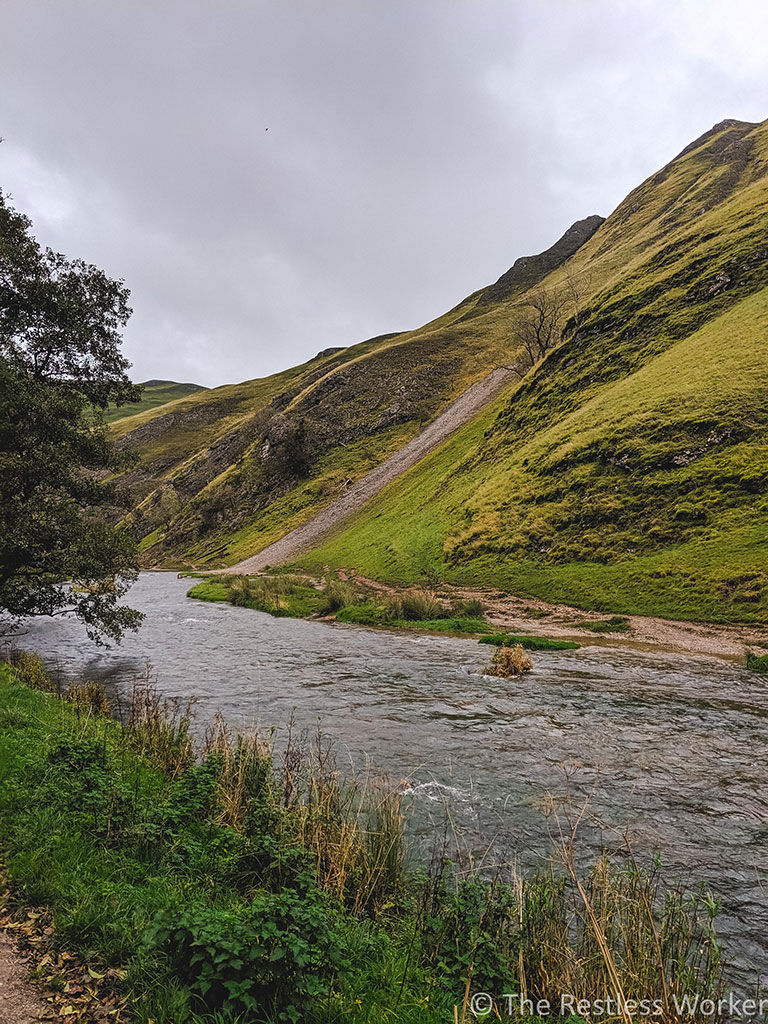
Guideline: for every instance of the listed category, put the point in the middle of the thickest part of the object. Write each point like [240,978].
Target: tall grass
[337,594]
[417,605]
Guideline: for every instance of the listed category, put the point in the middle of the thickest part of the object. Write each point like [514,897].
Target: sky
[275,177]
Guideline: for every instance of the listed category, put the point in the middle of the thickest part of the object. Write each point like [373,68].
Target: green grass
[286,595]
[757,662]
[222,547]
[155,393]
[529,643]
[370,614]
[279,595]
[116,847]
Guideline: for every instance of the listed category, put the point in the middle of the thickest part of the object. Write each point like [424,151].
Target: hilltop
[154,393]
[625,470]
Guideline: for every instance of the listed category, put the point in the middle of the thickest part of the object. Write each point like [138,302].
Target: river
[672,748]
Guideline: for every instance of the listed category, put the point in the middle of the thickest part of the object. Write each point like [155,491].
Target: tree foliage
[60,364]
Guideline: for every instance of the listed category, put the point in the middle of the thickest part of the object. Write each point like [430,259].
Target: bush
[509,663]
[239,592]
[475,933]
[90,697]
[469,609]
[276,953]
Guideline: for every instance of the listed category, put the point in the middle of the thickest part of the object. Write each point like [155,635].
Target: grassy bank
[214,884]
[297,596]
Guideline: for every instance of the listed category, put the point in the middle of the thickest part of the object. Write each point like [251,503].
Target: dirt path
[19,1001]
[359,493]
[531,616]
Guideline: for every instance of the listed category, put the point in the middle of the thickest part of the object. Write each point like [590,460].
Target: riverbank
[501,612]
[213,882]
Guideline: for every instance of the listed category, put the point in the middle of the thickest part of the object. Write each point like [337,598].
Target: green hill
[156,392]
[627,470]
[226,471]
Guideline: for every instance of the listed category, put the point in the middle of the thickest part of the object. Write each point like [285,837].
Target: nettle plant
[276,953]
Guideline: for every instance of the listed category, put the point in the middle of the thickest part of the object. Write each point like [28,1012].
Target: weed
[418,605]
[471,608]
[90,697]
[337,595]
[274,953]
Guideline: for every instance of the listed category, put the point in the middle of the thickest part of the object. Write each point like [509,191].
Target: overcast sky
[414,150]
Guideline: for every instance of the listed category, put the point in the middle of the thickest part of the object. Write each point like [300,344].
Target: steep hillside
[156,392]
[228,471]
[629,470]
[626,469]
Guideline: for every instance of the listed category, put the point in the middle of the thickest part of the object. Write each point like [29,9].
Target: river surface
[672,748]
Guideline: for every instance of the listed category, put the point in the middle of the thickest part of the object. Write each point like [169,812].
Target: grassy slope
[628,472]
[460,531]
[360,386]
[567,524]
[155,393]
[102,836]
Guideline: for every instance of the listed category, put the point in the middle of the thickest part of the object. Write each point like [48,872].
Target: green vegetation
[215,886]
[153,393]
[371,614]
[288,594]
[529,643]
[626,473]
[616,624]
[628,462]
[757,662]
[283,595]
[662,523]
[60,363]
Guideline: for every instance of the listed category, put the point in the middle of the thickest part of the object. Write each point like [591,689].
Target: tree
[60,364]
[538,322]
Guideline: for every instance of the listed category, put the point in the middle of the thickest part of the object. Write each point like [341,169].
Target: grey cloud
[415,149]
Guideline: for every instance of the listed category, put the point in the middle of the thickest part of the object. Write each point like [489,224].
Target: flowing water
[672,749]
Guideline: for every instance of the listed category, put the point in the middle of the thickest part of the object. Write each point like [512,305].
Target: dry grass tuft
[509,662]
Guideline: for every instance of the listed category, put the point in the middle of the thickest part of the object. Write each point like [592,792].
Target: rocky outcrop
[529,270]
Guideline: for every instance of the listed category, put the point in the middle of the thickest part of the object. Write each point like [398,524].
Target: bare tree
[539,320]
